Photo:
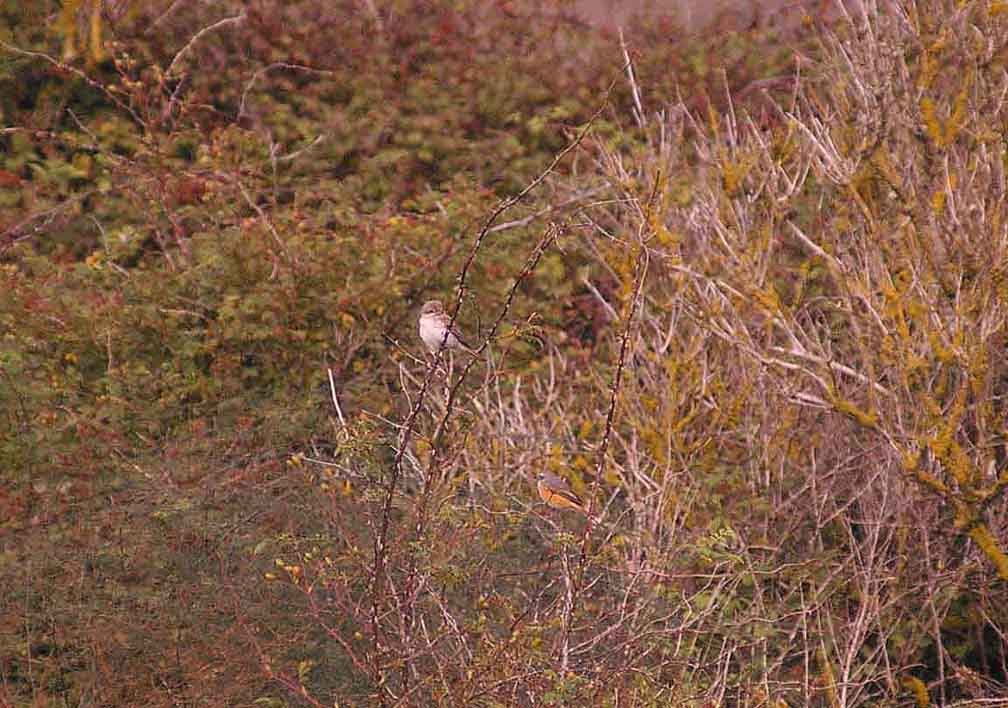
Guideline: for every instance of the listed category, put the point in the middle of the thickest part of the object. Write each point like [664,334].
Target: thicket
[745,289]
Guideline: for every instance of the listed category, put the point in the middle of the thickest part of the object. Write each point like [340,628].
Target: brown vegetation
[745,291]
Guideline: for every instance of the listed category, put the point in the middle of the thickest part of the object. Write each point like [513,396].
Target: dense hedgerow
[232,475]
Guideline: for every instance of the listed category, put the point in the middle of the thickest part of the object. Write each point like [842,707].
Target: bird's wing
[555,494]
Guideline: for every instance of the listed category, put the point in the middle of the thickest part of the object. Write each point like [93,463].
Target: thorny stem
[381,538]
[574,582]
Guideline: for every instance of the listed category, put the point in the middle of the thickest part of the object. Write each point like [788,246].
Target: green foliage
[232,475]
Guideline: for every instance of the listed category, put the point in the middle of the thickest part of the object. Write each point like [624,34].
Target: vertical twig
[638,108]
[335,400]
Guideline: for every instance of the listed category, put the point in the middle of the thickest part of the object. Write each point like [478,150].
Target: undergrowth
[754,315]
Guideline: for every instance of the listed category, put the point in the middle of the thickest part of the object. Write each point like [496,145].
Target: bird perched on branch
[557,493]
[434,323]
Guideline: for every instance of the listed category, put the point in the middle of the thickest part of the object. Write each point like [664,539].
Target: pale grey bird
[433,323]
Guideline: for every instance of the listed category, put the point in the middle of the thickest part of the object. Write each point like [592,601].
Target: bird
[432,325]
[557,493]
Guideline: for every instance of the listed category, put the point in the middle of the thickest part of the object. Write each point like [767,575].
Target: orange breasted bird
[557,493]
